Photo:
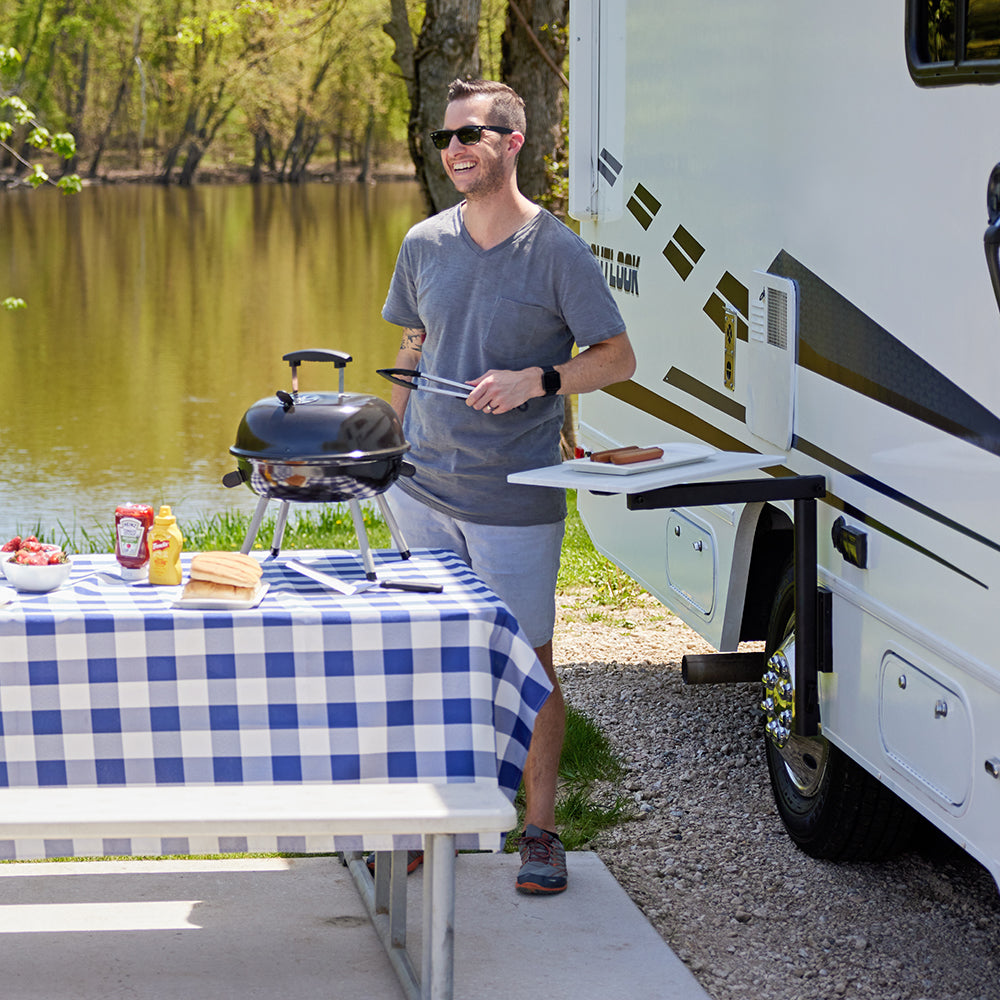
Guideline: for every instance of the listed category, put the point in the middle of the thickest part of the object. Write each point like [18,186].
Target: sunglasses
[468,135]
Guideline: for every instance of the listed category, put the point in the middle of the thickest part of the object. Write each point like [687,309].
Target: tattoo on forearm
[413,340]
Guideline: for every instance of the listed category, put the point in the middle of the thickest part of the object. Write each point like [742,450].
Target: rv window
[953,41]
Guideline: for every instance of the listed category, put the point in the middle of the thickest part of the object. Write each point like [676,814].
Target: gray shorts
[519,563]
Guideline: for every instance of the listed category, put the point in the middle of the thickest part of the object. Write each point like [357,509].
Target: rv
[797,207]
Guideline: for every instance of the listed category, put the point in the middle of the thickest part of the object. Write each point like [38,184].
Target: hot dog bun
[231,569]
[217,591]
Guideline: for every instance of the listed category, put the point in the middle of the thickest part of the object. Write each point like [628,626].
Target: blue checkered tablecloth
[104,683]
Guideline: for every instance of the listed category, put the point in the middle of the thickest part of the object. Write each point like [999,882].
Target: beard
[490,180]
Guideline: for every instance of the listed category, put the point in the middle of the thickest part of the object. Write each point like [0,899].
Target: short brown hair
[507,107]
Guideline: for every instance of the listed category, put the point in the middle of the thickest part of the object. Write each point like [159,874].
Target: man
[494,292]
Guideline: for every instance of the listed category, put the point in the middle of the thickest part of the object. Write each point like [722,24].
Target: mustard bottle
[165,544]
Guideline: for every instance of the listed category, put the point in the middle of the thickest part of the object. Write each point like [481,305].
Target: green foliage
[587,761]
[11,303]
[583,566]
[15,114]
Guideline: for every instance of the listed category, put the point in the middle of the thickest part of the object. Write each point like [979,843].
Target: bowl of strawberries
[34,566]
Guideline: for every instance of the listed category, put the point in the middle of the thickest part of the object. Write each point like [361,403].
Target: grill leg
[390,520]
[279,528]
[362,535]
[258,516]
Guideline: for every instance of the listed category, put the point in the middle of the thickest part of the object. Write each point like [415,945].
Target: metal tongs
[410,378]
[343,587]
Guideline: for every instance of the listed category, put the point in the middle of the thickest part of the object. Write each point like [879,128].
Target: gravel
[706,857]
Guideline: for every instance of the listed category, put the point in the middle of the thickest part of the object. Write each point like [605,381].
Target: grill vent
[777,318]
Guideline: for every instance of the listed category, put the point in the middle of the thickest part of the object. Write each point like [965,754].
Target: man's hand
[599,365]
[501,391]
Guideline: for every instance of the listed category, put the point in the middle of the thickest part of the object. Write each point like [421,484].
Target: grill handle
[295,358]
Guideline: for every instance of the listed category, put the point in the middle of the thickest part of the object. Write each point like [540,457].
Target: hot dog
[630,456]
[605,456]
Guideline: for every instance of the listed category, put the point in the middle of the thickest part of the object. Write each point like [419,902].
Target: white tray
[677,453]
[567,475]
[223,603]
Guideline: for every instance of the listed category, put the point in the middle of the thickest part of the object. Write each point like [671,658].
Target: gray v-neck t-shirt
[521,303]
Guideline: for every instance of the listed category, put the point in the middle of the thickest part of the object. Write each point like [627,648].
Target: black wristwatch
[551,381]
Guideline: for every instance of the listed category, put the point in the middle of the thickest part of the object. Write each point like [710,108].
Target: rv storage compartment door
[926,729]
[771,353]
[691,561]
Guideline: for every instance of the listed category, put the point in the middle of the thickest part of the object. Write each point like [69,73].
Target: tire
[831,807]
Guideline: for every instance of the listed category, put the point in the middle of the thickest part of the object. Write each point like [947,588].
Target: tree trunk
[533,50]
[123,88]
[448,48]
[366,155]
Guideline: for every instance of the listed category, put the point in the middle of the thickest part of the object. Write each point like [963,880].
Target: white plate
[223,603]
[673,454]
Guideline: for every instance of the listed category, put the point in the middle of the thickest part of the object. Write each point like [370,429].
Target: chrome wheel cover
[805,758]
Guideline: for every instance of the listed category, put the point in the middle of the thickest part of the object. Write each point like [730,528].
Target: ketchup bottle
[132,524]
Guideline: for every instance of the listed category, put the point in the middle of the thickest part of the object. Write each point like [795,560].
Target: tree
[533,49]
[15,115]
[447,47]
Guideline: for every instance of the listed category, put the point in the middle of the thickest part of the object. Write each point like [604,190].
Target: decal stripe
[690,385]
[736,292]
[840,342]
[678,261]
[641,215]
[683,243]
[813,451]
[688,244]
[671,413]
[608,167]
[655,405]
[715,310]
[643,206]
[606,172]
[647,199]
[859,515]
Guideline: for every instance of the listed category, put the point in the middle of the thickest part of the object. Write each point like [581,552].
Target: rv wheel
[831,806]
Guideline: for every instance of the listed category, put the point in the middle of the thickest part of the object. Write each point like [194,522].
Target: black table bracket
[803,491]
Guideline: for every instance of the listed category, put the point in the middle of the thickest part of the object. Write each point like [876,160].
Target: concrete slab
[273,928]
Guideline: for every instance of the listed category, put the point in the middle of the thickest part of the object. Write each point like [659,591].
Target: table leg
[397,900]
[437,974]
[385,922]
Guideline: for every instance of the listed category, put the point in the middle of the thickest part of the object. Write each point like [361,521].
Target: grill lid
[321,427]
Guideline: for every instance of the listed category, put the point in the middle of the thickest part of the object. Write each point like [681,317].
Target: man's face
[479,170]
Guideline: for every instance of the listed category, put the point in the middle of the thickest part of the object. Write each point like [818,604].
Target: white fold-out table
[696,481]
[718,463]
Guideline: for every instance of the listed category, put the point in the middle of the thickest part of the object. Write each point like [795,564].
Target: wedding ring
[488,408]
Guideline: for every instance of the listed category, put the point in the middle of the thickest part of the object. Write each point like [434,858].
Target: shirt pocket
[522,334]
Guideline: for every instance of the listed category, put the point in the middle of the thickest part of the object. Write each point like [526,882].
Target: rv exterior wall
[790,138]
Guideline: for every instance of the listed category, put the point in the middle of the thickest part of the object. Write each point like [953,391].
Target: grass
[587,758]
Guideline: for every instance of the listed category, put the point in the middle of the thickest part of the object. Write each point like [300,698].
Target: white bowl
[37,579]
[10,553]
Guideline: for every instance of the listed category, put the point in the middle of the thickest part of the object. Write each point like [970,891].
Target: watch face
[551,381]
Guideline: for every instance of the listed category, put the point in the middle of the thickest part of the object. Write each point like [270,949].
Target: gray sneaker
[543,862]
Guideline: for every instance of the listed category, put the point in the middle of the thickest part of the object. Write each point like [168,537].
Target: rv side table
[674,486]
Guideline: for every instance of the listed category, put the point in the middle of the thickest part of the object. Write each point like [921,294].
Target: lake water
[156,316]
